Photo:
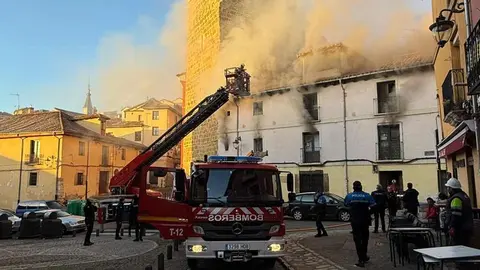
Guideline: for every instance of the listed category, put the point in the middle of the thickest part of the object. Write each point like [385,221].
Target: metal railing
[389,150]
[33,159]
[310,155]
[388,105]
[454,92]
[472,55]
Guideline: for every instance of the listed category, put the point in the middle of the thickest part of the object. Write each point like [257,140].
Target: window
[155,131]
[258,108]
[34,155]
[311,147]
[258,145]
[308,198]
[139,118]
[124,153]
[310,104]
[138,136]
[32,179]
[79,179]
[81,148]
[155,115]
[105,155]
[386,97]
[389,143]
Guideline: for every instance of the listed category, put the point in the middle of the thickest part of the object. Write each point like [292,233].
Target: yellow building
[458,128]
[146,122]
[58,154]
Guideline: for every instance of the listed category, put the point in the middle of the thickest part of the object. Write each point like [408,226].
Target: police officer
[119,218]
[134,219]
[360,203]
[380,198]
[320,209]
[89,209]
[459,212]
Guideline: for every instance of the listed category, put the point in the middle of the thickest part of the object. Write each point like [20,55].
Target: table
[428,232]
[450,253]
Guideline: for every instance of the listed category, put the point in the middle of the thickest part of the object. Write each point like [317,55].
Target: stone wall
[209,22]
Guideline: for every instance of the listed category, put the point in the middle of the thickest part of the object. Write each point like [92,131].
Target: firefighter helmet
[453,183]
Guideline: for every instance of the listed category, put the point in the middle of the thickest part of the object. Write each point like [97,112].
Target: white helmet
[453,183]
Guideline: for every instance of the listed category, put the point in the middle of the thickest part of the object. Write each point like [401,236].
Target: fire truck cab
[230,209]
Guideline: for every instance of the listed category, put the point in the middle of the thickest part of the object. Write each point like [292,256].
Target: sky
[50,49]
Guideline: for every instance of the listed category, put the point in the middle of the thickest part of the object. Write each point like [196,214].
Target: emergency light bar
[234,159]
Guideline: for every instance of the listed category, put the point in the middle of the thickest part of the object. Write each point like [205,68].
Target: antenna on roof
[18,100]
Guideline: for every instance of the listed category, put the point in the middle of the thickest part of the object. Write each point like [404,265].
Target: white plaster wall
[281,125]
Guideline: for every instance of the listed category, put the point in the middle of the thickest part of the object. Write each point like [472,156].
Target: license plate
[237,247]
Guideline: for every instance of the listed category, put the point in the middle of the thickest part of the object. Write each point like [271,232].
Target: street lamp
[443,26]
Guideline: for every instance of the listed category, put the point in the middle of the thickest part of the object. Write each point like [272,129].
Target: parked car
[34,206]
[303,207]
[13,218]
[70,222]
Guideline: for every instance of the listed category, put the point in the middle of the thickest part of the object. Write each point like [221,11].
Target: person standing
[360,204]
[119,218]
[320,208]
[89,209]
[380,198]
[392,203]
[410,200]
[134,219]
[459,213]
[393,186]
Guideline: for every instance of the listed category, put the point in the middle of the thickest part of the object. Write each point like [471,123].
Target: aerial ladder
[237,84]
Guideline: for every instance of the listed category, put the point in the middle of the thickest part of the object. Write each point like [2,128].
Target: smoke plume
[275,32]
[128,72]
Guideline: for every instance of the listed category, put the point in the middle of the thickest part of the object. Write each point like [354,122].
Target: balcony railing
[310,155]
[454,97]
[389,105]
[472,54]
[389,150]
[33,159]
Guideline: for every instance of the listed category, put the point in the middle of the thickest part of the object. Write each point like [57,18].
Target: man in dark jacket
[119,218]
[360,203]
[459,213]
[410,200]
[320,209]
[134,219]
[380,198]
[89,209]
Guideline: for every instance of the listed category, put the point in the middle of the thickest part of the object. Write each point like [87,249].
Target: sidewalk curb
[314,229]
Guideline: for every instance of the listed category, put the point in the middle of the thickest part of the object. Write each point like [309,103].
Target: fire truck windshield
[232,186]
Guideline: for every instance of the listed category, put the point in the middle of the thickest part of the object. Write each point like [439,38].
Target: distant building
[36,147]
[146,122]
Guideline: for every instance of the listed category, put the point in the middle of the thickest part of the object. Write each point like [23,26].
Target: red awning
[454,144]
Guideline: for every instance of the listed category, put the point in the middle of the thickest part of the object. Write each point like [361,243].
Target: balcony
[389,150]
[472,53]
[310,155]
[388,105]
[455,105]
[33,159]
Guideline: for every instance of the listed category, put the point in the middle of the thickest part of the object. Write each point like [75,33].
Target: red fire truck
[230,208]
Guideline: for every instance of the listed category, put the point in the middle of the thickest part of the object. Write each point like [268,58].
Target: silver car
[70,222]
[14,219]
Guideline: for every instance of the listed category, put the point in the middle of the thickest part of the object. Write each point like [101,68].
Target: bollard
[97,232]
[169,252]
[161,262]
[121,232]
[148,267]
[175,245]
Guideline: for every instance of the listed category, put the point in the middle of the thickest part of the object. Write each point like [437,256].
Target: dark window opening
[33,179]
[79,180]
[311,147]
[258,108]
[258,145]
[389,143]
[310,103]
[138,136]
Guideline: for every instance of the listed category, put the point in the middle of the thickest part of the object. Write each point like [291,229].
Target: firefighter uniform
[460,216]
[89,210]
[134,219]
[360,203]
[119,218]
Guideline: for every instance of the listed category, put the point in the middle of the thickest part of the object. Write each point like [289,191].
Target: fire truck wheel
[270,263]
[192,264]
[297,215]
